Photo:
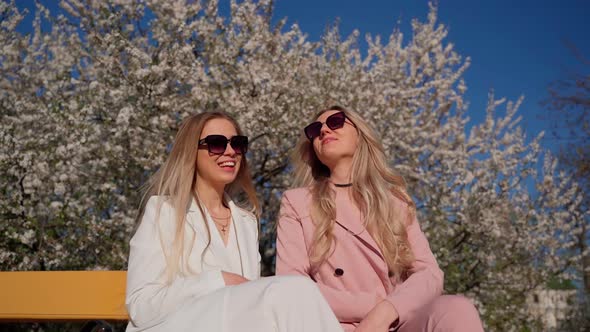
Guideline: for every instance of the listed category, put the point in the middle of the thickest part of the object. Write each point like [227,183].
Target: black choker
[343,185]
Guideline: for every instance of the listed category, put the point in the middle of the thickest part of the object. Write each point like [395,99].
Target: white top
[233,259]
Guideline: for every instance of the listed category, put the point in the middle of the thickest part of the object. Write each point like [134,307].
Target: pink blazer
[355,277]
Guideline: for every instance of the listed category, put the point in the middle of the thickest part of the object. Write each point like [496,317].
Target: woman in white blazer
[194,263]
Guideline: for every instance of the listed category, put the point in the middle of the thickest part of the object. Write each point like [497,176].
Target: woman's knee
[457,302]
[454,309]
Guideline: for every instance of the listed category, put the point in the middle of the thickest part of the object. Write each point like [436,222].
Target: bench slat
[63,295]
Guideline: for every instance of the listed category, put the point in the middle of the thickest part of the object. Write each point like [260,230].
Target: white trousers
[281,304]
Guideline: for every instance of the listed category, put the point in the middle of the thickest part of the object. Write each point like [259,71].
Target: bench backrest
[62,295]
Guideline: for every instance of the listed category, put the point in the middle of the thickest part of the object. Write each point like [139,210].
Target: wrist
[388,312]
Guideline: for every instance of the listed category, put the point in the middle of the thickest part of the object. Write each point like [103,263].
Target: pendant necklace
[222,225]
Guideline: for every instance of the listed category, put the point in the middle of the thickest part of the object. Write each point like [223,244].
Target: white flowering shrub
[90,103]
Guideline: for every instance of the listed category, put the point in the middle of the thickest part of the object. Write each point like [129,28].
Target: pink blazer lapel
[350,219]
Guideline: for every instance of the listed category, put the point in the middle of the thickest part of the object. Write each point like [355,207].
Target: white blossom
[90,106]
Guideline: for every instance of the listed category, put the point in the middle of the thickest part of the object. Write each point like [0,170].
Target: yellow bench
[62,296]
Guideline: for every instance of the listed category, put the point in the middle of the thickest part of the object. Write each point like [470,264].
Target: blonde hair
[374,186]
[175,180]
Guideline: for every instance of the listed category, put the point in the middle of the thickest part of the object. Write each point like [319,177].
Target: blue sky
[516,47]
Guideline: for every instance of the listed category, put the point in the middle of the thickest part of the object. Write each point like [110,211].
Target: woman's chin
[330,157]
[226,177]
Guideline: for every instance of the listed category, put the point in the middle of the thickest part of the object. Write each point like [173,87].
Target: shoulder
[246,214]
[160,212]
[159,206]
[157,216]
[400,202]
[296,202]
[247,220]
[405,209]
[297,196]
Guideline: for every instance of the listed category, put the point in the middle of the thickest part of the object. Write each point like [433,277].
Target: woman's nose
[229,150]
[324,130]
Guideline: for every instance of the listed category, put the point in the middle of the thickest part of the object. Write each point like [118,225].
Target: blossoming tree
[91,98]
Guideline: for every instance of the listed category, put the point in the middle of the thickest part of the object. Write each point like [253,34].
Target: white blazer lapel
[246,236]
[246,231]
[195,220]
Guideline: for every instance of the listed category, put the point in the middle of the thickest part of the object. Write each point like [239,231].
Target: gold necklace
[223,227]
[223,218]
[218,224]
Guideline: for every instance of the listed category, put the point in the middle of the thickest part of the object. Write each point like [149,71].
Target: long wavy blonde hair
[374,186]
[176,182]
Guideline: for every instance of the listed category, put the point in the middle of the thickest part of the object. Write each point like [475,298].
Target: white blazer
[149,299]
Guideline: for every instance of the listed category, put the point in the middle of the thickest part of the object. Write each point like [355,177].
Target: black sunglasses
[334,121]
[216,144]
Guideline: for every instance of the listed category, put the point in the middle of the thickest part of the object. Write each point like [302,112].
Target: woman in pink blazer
[351,227]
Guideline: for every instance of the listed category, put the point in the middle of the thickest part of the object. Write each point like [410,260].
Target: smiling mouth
[227,164]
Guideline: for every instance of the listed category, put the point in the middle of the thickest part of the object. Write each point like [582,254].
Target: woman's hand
[379,318]
[232,279]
